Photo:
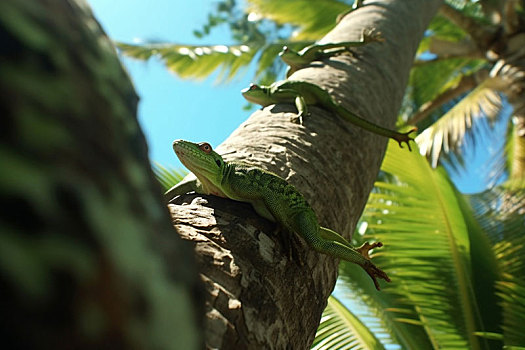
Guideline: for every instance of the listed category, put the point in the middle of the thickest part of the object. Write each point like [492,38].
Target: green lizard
[272,198]
[298,60]
[303,94]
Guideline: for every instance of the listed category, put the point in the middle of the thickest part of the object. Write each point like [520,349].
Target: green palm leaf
[431,78]
[449,131]
[500,212]
[168,177]
[341,329]
[420,218]
[512,292]
[508,161]
[313,18]
[195,61]
[434,250]
[397,318]
[200,61]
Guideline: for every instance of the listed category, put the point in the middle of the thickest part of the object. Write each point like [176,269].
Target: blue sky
[171,108]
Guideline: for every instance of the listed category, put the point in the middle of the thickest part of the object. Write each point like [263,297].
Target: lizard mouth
[184,157]
[180,151]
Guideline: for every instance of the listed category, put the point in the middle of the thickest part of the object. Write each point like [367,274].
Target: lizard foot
[372,270]
[371,35]
[297,119]
[366,247]
[403,137]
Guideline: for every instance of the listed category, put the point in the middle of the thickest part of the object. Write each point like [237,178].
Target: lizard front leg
[302,109]
[183,187]
[279,94]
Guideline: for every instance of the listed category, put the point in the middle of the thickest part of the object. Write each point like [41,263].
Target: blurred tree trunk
[88,256]
[259,297]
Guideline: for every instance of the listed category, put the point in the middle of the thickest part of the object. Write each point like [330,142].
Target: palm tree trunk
[517,170]
[87,252]
[259,297]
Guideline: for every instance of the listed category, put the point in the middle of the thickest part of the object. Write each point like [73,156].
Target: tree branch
[483,35]
[466,83]
[517,171]
[446,49]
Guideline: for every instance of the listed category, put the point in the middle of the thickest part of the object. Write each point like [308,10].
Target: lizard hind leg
[322,240]
[330,235]
[364,249]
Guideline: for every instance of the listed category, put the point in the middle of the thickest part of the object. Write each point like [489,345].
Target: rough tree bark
[257,296]
[88,256]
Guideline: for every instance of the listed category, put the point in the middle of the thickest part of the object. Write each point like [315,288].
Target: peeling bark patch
[266,248]
[216,326]
[244,266]
[234,304]
[243,275]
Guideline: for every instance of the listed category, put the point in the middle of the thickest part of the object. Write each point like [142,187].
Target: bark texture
[261,295]
[88,256]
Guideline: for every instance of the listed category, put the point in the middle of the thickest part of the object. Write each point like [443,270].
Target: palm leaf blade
[314,18]
[500,212]
[431,240]
[167,177]
[449,131]
[341,329]
[194,61]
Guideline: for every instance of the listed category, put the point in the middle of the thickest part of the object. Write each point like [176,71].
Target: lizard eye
[253,87]
[205,147]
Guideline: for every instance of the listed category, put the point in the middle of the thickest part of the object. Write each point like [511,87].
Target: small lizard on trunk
[272,198]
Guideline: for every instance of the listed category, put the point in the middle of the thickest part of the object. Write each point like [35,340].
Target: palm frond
[449,131]
[168,177]
[312,18]
[200,61]
[485,273]
[341,329]
[502,160]
[195,61]
[501,212]
[430,79]
[453,90]
[395,317]
[427,249]
[512,291]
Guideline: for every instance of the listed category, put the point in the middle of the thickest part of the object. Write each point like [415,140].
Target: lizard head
[284,51]
[256,94]
[290,57]
[201,160]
